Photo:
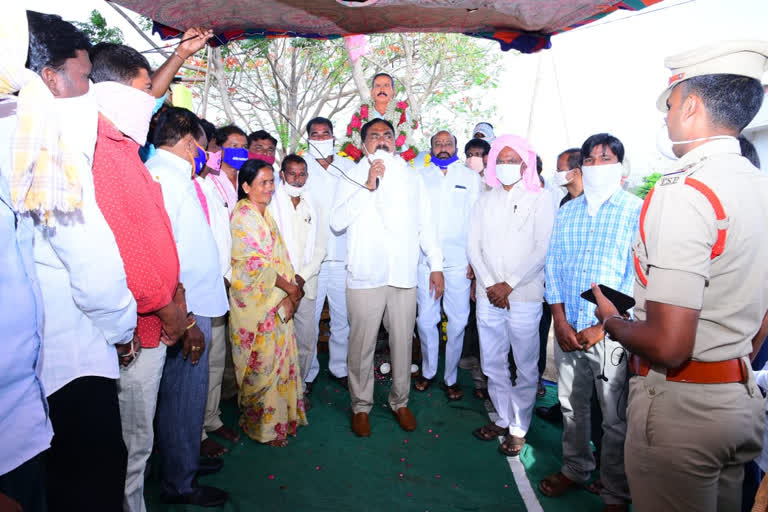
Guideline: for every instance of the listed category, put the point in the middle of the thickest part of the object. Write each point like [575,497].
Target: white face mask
[292,191]
[129,109]
[664,144]
[600,183]
[320,149]
[563,178]
[508,174]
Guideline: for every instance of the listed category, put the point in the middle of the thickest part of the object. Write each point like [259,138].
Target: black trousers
[86,464]
[25,485]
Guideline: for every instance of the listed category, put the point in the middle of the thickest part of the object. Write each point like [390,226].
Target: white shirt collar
[174,162]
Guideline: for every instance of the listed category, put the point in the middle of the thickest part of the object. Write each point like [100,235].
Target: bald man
[452,190]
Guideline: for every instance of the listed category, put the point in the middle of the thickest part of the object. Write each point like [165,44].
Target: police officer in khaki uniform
[695,414]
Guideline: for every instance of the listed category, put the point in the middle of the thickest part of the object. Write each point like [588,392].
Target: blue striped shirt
[585,250]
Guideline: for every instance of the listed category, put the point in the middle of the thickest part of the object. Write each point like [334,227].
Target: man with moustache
[452,190]
[384,208]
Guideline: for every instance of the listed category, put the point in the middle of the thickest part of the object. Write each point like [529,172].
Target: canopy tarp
[523,25]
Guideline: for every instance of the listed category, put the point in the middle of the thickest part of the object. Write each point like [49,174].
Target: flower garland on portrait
[395,114]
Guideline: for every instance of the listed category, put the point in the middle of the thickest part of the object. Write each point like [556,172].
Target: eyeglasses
[380,136]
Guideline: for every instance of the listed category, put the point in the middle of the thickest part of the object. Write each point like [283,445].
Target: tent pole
[207,88]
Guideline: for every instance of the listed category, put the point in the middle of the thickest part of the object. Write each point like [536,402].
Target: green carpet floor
[440,467]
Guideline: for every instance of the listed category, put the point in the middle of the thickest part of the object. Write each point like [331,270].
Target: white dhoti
[499,330]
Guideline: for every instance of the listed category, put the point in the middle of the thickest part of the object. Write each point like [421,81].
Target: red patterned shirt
[132,204]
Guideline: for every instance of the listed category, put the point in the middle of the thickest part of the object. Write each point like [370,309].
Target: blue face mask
[158,104]
[200,160]
[234,157]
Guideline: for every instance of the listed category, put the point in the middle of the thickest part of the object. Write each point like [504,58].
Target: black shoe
[202,496]
[343,381]
[307,388]
[551,414]
[209,466]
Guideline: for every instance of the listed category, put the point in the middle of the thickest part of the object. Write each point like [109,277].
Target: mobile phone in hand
[281,313]
[622,301]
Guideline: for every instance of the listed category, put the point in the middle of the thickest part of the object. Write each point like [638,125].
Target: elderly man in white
[297,218]
[452,189]
[387,216]
[325,171]
[508,241]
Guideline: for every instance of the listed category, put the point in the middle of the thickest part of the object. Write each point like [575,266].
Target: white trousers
[306,335]
[499,331]
[217,356]
[332,283]
[455,302]
[137,391]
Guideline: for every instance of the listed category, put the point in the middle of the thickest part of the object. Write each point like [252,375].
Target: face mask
[129,109]
[292,190]
[600,183]
[665,145]
[234,157]
[78,118]
[270,159]
[199,159]
[320,149]
[508,174]
[444,163]
[475,163]
[158,104]
[214,161]
[563,178]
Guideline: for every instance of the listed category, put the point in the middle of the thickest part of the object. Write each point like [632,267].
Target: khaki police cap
[748,58]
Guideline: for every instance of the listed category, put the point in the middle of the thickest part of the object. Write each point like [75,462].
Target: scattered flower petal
[437,476]
[271,477]
[402,459]
[400,475]
[437,435]
[430,431]
[317,468]
[405,441]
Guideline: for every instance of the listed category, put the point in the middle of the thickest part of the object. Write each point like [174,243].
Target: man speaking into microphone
[384,208]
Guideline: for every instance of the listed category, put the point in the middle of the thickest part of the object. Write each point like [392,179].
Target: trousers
[455,302]
[85,465]
[687,443]
[366,308]
[500,330]
[306,335]
[578,376]
[332,283]
[137,392]
[180,412]
[217,357]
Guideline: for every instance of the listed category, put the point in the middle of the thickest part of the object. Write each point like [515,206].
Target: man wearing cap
[483,131]
[508,238]
[452,190]
[695,414]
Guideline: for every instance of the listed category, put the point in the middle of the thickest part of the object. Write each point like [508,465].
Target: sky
[603,77]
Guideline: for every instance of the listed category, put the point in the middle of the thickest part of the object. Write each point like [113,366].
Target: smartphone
[622,301]
[281,313]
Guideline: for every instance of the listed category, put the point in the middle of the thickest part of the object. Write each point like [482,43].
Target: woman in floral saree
[263,298]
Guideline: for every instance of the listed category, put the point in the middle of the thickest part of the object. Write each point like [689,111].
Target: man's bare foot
[210,449]
[226,433]
[278,443]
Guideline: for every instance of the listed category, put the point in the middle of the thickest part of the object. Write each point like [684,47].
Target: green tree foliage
[98,31]
[648,183]
[279,84]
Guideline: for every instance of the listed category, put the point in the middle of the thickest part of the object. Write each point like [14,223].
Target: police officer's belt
[697,372]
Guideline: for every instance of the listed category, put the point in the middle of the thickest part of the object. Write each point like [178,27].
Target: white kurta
[451,198]
[508,241]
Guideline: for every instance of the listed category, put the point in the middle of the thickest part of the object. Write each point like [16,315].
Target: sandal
[421,384]
[453,392]
[481,394]
[512,445]
[489,432]
[556,485]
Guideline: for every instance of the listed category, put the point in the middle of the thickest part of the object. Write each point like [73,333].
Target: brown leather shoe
[361,426]
[406,419]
